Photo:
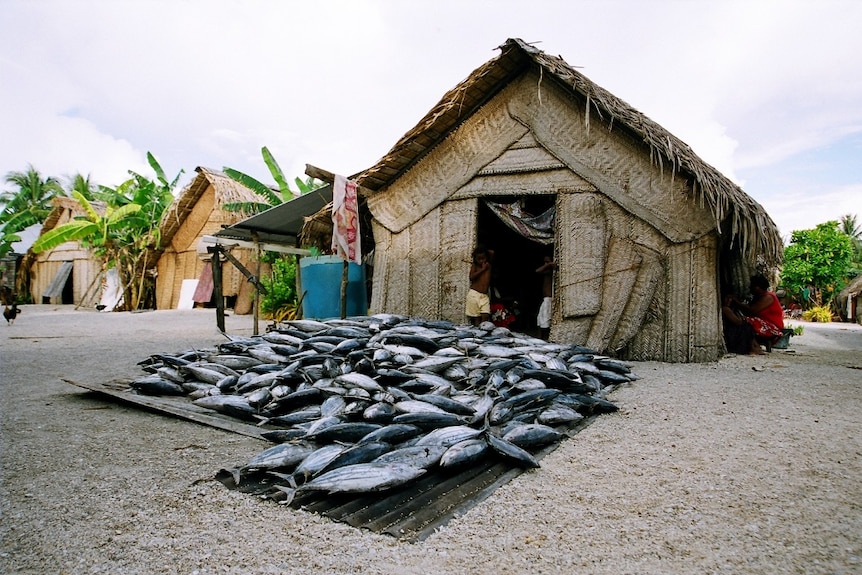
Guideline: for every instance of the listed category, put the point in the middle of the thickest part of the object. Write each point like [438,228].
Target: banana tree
[93,230]
[271,197]
[126,237]
[139,240]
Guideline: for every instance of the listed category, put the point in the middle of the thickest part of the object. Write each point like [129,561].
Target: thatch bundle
[317,229]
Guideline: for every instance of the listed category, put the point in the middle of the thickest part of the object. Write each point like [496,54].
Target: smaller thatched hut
[197,212]
[847,301]
[69,273]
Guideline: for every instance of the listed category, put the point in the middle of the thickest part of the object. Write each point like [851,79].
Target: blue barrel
[321,285]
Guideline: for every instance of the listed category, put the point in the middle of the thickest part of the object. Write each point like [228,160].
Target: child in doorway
[543,319]
[478,308]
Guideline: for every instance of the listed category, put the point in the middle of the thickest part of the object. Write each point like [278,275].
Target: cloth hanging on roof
[537,228]
[346,241]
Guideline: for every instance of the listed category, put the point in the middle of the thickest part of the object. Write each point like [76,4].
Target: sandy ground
[748,465]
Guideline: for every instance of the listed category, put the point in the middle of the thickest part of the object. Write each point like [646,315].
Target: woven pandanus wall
[423,270]
[620,272]
[458,233]
[453,163]
[582,253]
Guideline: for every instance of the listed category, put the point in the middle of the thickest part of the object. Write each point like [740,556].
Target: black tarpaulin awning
[280,224]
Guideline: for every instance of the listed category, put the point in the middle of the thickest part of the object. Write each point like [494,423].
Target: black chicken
[10,313]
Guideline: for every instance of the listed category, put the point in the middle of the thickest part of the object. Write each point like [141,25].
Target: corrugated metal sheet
[410,513]
[55,288]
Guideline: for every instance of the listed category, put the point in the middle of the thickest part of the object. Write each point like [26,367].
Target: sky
[768,92]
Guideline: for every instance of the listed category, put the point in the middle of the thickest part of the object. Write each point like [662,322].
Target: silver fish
[364,478]
[449,436]
[424,456]
[464,453]
[511,452]
[532,435]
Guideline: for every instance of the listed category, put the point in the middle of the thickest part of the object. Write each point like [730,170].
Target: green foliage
[94,229]
[281,288]
[285,194]
[850,227]
[125,233]
[29,205]
[818,258]
[821,313]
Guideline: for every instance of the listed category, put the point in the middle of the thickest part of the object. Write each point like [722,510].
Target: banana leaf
[73,230]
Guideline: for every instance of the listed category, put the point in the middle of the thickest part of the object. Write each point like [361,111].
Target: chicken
[10,313]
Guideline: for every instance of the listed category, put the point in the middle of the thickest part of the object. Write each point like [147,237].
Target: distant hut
[847,301]
[645,233]
[69,273]
[195,213]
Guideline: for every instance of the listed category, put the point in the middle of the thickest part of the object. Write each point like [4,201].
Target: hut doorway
[515,285]
[61,285]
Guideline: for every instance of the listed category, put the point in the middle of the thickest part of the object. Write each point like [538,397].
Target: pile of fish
[365,404]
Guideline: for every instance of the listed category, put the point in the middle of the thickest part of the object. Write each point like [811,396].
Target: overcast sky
[768,92]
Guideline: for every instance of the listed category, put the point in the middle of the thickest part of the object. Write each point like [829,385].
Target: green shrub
[281,288]
[820,313]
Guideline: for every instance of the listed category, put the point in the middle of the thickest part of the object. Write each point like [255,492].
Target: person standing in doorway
[478,308]
[543,319]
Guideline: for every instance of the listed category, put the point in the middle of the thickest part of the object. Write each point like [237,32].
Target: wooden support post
[217,288]
[344,289]
[256,297]
[299,293]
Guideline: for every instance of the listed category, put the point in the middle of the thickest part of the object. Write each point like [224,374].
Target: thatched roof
[227,191]
[734,211]
[62,204]
[317,229]
[853,289]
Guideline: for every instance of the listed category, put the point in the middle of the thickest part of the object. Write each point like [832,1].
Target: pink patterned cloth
[345,220]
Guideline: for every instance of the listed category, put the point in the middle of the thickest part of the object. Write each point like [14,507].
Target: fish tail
[289,492]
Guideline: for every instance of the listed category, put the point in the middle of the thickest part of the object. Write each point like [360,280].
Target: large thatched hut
[196,212]
[645,233]
[69,273]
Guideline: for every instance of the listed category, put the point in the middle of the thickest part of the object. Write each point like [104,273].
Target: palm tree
[29,205]
[284,194]
[850,227]
[34,194]
[82,184]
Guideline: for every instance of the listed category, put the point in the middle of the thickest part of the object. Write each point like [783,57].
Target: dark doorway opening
[515,284]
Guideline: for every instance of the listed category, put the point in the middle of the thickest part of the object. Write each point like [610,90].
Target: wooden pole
[217,291]
[256,296]
[299,294]
[344,289]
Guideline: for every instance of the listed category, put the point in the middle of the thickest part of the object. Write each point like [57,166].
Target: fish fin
[225,475]
[290,493]
[284,476]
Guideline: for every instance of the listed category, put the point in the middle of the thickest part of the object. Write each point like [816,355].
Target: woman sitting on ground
[764,313]
[738,333]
